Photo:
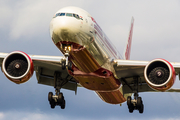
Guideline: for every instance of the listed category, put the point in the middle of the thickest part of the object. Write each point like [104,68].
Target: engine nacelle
[18,67]
[159,74]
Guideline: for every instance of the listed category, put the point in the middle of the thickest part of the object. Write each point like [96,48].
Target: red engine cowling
[18,67]
[159,74]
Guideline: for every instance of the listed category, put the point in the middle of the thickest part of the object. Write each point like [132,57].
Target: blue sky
[24,25]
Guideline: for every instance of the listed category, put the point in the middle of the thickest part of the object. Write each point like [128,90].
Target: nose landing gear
[66,63]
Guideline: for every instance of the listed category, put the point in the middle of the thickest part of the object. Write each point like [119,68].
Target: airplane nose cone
[60,23]
[61,26]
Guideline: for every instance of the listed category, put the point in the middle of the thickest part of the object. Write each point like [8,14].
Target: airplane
[91,61]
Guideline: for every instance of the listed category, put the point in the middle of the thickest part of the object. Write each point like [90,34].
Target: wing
[128,70]
[45,68]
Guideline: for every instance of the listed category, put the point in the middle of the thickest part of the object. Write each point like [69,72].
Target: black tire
[50,99]
[139,103]
[52,105]
[129,101]
[142,109]
[60,98]
[63,104]
[131,109]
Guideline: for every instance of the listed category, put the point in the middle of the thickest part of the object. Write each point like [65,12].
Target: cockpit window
[62,14]
[76,16]
[69,15]
[59,14]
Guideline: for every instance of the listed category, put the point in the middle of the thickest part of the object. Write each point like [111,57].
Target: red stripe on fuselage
[104,39]
[107,45]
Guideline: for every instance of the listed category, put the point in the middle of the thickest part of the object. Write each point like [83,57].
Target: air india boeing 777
[91,61]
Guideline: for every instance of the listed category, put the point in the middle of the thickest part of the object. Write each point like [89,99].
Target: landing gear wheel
[63,104]
[130,105]
[50,96]
[51,100]
[142,109]
[60,98]
[139,103]
[52,105]
[129,101]
[131,109]
[61,101]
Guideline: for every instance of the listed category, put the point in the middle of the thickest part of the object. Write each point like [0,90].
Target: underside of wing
[19,67]
[131,73]
[146,76]
[49,68]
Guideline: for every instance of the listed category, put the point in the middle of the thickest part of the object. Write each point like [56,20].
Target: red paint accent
[98,29]
[104,39]
[171,81]
[128,47]
[96,23]
[32,65]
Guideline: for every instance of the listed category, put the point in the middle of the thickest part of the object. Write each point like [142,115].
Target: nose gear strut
[66,63]
[66,56]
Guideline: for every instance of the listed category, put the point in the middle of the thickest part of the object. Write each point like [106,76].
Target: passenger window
[69,14]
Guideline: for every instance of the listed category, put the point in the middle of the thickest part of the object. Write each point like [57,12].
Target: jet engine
[159,74]
[18,67]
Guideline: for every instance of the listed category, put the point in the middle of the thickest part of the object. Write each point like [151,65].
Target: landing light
[67,48]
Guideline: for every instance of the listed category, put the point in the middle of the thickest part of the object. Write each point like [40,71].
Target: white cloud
[20,115]
[30,18]
[1,116]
